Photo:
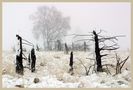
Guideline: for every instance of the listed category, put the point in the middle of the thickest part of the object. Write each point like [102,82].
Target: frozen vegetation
[52,70]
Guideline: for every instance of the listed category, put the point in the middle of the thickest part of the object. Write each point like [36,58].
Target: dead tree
[33,60]
[20,55]
[71,63]
[66,49]
[100,46]
[58,45]
[99,49]
[19,62]
[97,52]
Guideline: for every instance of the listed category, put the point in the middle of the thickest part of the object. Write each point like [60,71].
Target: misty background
[114,18]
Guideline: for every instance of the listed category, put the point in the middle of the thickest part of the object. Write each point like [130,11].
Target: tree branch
[123,62]
[104,55]
[109,38]
[84,40]
[110,48]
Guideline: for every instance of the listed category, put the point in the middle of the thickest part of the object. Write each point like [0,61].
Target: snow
[52,70]
[46,82]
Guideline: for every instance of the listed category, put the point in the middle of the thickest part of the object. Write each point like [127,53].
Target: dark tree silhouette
[19,63]
[97,52]
[58,45]
[98,49]
[66,49]
[71,62]
[33,60]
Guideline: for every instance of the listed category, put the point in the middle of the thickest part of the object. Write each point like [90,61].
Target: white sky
[115,18]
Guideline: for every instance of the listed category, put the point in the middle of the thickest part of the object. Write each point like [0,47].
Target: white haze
[115,18]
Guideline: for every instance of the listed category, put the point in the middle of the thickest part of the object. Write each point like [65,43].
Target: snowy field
[52,69]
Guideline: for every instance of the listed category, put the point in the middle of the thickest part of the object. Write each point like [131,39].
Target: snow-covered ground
[52,70]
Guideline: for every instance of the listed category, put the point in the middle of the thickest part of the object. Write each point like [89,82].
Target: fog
[114,18]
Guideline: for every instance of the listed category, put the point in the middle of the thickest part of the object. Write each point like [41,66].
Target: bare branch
[111,48]
[79,34]
[84,40]
[86,69]
[109,38]
[104,55]
[120,64]
[123,62]
[83,64]
[99,32]
[108,70]
[107,58]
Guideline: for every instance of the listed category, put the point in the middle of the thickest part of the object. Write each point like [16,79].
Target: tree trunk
[71,63]
[97,52]
[48,45]
[19,62]
[58,45]
[66,48]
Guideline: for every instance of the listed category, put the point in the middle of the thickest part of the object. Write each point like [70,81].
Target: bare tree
[100,45]
[103,47]
[50,25]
